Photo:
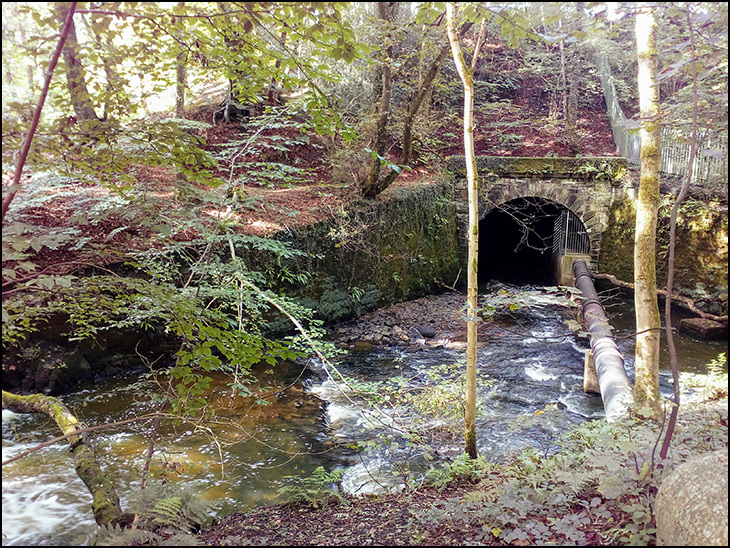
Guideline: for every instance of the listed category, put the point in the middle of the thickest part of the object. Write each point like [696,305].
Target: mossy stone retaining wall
[372,253]
[701,269]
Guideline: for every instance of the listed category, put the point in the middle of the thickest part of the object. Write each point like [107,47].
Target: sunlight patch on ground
[224,213]
[266,226]
[167,195]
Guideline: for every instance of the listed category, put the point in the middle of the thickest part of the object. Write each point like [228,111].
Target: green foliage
[384,162]
[166,515]
[433,401]
[462,468]
[602,480]
[261,156]
[713,385]
[202,299]
[493,86]
[317,490]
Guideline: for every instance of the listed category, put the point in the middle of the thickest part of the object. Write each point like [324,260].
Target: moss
[374,253]
[701,252]
[563,168]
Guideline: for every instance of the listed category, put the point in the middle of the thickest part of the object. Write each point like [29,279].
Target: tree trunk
[684,191]
[181,78]
[467,77]
[407,153]
[648,323]
[568,95]
[374,184]
[105,505]
[75,75]
[14,187]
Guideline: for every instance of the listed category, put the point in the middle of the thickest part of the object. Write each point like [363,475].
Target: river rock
[362,345]
[703,328]
[426,331]
[415,334]
[44,367]
[691,505]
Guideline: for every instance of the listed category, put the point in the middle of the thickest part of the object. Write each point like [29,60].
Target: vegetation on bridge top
[603,167]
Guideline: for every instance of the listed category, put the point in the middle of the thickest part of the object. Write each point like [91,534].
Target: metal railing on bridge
[710,164]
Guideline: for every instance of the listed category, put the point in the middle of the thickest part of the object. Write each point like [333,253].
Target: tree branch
[106,506]
[689,303]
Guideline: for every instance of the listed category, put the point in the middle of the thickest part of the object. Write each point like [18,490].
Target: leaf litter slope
[302,191]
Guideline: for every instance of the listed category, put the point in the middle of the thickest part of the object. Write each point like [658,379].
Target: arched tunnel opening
[518,244]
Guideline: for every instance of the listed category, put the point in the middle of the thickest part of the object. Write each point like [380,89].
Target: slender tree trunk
[407,153]
[568,96]
[467,77]
[648,323]
[180,85]
[181,77]
[421,92]
[374,183]
[14,186]
[672,245]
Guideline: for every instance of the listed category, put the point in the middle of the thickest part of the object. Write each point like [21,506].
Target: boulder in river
[426,331]
[703,328]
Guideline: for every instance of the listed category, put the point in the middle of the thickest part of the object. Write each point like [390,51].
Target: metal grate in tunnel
[570,235]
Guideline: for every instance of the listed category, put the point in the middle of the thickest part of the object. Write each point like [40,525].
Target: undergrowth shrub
[598,488]
[317,490]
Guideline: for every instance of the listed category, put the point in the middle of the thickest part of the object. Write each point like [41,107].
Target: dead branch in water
[689,303]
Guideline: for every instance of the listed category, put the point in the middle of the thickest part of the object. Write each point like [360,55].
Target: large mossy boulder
[691,505]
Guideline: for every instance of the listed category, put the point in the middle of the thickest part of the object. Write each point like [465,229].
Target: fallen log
[105,506]
[689,303]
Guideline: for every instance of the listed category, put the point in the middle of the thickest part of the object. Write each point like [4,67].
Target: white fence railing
[710,162]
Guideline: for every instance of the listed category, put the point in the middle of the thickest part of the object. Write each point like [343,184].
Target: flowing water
[529,360]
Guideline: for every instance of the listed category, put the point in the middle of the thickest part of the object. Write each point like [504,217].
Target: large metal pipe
[616,390]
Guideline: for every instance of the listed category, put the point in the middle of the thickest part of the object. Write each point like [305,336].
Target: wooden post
[590,377]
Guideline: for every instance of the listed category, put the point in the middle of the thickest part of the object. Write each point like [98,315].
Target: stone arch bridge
[538,214]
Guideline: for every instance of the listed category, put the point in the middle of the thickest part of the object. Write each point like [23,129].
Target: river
[530,368]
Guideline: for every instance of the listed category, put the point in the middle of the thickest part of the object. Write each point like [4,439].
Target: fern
[114,535]
[166,515]
[168,512]
[317,490]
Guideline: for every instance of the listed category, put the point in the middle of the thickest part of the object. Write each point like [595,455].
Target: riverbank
[503,504]
[437,321]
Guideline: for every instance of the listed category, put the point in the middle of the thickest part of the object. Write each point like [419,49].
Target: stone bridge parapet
[585,186]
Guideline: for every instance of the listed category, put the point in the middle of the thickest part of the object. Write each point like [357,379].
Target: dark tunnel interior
[516,241]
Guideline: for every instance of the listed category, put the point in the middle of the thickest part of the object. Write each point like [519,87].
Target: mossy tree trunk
[648,323]
[467,77]
[105,505]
